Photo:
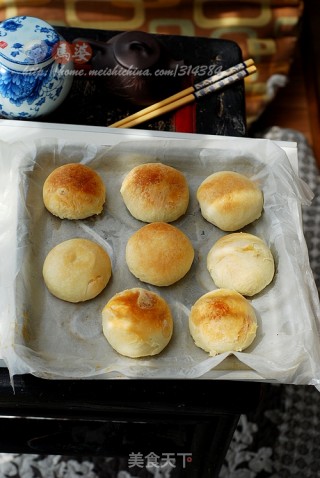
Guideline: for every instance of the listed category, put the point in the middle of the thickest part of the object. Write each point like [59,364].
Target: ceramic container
[32,82]
[136,66]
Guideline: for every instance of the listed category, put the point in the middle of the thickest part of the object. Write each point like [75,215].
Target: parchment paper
[51,338]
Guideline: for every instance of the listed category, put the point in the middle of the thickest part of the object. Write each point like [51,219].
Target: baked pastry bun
[74,191]
[229,200]
[222,321]
[137,323]
[159,254]
[77,270]
[242,262]
[155,192]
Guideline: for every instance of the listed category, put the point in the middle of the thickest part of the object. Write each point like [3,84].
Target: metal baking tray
[54,339]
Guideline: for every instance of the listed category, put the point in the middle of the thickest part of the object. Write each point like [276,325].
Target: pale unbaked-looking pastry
[222,321]
[77,270]
[74,191]
[159,254]
[137,323]
[155,192]
[242,262]
[229,200]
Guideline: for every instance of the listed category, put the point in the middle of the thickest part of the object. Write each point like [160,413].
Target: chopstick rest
[188,95]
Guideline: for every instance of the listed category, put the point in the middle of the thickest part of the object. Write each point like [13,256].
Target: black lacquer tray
[91,103]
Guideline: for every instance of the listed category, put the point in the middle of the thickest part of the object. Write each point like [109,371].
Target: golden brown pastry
[222,321]
[137,323]
[159,254]
[74,191]
[242,262]
[77,270]
[229,200]
[155,192]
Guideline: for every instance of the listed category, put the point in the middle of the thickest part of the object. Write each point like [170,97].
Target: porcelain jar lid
[27,41]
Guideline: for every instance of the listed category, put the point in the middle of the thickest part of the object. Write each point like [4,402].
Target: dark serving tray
[90,103]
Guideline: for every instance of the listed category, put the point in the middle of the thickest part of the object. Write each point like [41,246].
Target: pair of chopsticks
[188,95]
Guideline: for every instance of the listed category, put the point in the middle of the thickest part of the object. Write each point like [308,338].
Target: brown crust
[222,321]
[224,184]
[155,192]
[74,191]
[137,323]
[159,254]
[147,312]
[230,200]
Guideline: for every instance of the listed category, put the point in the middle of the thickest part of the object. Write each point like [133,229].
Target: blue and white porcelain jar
[32,82]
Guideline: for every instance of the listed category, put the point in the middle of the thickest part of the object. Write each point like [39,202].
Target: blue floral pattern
[16,49]
[25,93]
[37,52]
[11,25]
[45,39]
[32,89]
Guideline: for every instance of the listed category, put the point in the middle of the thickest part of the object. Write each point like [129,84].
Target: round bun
[222,321]
[242,262]
[74,191]
[159,254]
[155,192]
[137,323]
[229,200]
[76,270]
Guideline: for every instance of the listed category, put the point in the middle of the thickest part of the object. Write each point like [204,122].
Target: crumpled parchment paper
[47,337]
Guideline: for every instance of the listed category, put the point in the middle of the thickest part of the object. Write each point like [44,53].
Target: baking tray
[286,348]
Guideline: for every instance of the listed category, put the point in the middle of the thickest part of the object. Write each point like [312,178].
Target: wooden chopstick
[187,95]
